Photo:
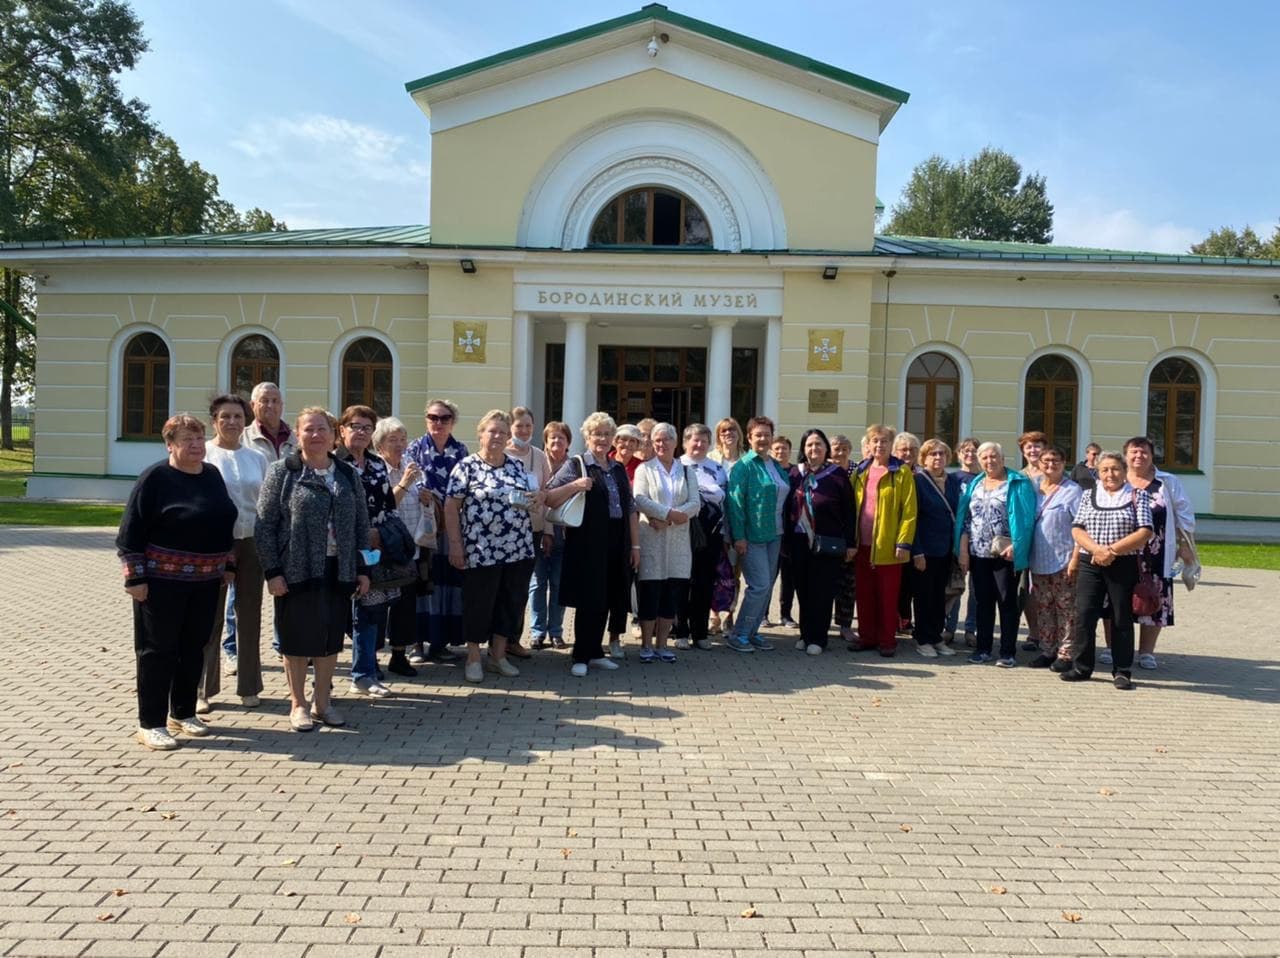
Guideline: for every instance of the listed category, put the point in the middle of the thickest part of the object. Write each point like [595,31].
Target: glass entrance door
[667,384]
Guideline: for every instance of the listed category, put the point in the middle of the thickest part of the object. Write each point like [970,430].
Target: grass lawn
[59,514]
[15,465]
[1240,555]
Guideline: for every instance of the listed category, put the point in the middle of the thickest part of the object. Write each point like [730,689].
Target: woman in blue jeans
[758,490]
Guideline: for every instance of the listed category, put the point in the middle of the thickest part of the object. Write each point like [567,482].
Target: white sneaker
[704,644]
[579,669]
[503,666]
[474,672]
[927,651]
[814,650]
[229,664]
[188,726]
[607,664]
[801,646]
[371,688]
[615,650]
[250,701]
[943,649]
[202,706]
[157,739]
[683,644]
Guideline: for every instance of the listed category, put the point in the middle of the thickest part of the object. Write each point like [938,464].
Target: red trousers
[877,601]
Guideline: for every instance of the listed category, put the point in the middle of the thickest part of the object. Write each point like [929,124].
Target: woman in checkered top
[1113,522]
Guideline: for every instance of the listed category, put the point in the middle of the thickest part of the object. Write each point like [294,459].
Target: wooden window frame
[149,364]
[1168,433]
[369,368]
[257,367]
[619,202]
[1051,387]
[931,398]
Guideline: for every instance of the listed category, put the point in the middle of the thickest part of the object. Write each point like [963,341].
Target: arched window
[146,387]
[650,217]
[933,397]
[366,375]
[1173,413]
[1049,401]
[255,360]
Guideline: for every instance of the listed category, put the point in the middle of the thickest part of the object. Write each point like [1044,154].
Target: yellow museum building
[656,216]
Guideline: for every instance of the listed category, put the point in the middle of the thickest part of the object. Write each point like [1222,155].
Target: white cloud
[1091,224]
[318,142]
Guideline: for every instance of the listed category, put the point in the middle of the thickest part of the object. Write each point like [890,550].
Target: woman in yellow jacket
[885,492]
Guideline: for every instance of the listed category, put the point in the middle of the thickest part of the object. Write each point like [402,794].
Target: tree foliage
[78,159]
[986,197]
[1245,244]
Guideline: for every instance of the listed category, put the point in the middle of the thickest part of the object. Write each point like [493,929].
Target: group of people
[425,547]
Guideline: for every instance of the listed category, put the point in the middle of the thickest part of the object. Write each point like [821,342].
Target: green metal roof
[927,246]
[658,12]
[906,247]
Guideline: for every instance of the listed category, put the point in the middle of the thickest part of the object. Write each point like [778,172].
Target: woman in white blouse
[666,495]
[243,470]
[713,481]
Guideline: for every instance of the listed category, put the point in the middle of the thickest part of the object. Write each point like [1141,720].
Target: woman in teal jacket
[758,490]
[995,525]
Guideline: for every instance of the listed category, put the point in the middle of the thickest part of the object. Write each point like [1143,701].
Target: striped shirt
[1052,544]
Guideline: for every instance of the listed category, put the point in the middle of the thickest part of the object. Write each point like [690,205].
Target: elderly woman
[937,498]
[995,524]
[885,494]
[781,451]
[1054,560]
[906,449]
[487,518]
[355,440]
[390,440]
[1031,444]
[627,442]
[846,588]
[243,470]
[600,554]
[440,610]
[758,491]
[728,450]
[544,587]
[666,496]
[821,536]
[534,460]
[1112,524]
[713,483]
[967,457]
[175,543]
[312,527]
[1173,523]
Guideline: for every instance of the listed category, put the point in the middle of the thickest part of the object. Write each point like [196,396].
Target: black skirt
[313,623]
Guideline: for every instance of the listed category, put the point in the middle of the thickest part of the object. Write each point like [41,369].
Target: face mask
[521,444]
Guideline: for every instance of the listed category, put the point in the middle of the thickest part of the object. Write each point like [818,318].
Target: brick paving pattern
[847,805]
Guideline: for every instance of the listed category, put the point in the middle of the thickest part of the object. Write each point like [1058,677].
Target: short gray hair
[598,420]
[387,426]
[697,429]
[989,444]
[259,389]
[663,427]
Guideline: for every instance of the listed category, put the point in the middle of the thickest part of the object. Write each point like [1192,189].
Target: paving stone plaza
[727,805]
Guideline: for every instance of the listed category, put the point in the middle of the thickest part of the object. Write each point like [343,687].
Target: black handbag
[828,547]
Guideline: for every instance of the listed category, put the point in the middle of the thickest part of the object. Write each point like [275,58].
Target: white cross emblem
[470,342]
[825,349]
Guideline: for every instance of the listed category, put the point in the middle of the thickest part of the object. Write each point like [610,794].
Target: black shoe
[1030,645]
[399,664]
[1041,661]
[1122,681]
[1075,675]
[442,655]
[557,642]
[1060,665]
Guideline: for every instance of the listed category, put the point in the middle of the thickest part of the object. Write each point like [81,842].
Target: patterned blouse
[1052,544]
[494,532]
[988,517]
[1110,516]
[436,465]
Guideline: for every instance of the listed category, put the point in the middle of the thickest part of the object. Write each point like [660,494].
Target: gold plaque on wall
[824,400]
[826,350]
[469,342]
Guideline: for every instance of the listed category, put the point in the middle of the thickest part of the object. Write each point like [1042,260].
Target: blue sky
[1153,122]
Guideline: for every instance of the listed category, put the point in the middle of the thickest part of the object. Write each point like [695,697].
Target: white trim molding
[1084,394]
[1199,487]
[625,152]
[226,349]
[335,363]
[964,418]
[128,458]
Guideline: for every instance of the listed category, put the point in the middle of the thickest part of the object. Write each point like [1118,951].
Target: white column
[720,369]
[521,360]
[575,374]
[772,368]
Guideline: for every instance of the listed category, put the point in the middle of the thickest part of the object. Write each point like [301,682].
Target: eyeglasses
[432,417]
[359,427]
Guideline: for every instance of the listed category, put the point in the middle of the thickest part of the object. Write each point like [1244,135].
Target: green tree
[986,197]
[1245,244]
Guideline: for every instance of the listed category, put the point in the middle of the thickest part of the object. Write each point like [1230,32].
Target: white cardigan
[664,553]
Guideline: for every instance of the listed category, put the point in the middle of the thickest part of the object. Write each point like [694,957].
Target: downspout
[889,274]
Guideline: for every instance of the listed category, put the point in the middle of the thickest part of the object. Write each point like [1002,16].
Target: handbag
[955,581]
[573,510]
[697,531]
[425,531]
[828,547]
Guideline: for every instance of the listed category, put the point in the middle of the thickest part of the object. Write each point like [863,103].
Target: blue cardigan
[1022,515]
[934,520]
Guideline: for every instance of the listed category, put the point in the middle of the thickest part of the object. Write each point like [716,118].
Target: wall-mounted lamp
[468,265]
[830,272]
[652,48]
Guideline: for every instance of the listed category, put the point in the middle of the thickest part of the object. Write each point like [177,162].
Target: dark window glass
[650,217]
[254,360]
[146,387]
[933,388]
[366,375]
[635,217]
[553,390]
[1173,413]
[1049,401]
[666,218]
